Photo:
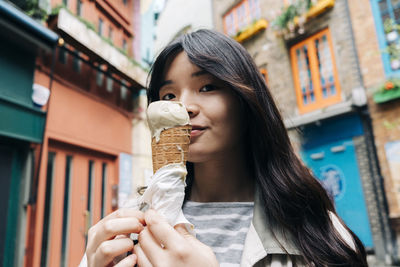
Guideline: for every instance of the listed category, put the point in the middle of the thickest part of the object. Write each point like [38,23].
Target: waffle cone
[172,147]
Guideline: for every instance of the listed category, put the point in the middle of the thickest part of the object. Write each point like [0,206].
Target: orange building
[94,82]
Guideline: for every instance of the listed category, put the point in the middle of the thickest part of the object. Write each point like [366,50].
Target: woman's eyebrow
[195,74]
[165,83]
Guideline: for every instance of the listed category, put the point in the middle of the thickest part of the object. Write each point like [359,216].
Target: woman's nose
[192,109]
[191,105]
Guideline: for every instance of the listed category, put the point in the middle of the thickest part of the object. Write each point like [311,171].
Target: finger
[150,246]
[128,261]
[142,259]
[120,213]
[181,228]
[162,231]
[110,249]
[111,228]
[122,236]
[125,212]
[97,230]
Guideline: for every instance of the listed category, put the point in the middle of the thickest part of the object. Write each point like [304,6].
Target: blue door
[335,165]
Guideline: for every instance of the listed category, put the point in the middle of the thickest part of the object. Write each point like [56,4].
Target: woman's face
[213,108]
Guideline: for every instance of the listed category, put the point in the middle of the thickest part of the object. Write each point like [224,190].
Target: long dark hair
[296,200]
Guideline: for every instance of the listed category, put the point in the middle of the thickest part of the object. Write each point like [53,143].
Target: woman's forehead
[179,62]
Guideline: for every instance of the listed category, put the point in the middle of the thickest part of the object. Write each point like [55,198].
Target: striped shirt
[223,226]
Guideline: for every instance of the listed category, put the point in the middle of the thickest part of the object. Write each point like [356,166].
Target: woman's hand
[109,238]
[162,245]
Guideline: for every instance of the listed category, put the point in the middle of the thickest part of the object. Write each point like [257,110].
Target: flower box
[389,91]
[251,30]
[319,8]
[296,15]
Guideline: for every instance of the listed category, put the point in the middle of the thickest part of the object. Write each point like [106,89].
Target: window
[124,91]
[110,33]
[254,8]
[104,190]
[314,72]
[77,63]
[47,209]
[244,13]
[89,206]
[62,55]
[387,16]
[124,44]
[109,85]
[100,26]
[65,3]
[99,78]
[66,212]
[79,8]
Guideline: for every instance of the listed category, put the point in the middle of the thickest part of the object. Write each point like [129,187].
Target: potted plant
[391,30]
[387,91]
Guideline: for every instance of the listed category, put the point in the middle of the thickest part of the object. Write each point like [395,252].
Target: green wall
[19,118]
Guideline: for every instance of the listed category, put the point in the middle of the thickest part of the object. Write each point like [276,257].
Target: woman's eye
[168,97]
[208,87]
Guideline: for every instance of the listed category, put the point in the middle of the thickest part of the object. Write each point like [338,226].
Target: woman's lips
[196,131]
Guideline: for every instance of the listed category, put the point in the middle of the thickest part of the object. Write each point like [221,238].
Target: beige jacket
[261,249]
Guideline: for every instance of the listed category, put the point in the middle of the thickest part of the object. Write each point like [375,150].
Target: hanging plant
[284,22]
[293,17]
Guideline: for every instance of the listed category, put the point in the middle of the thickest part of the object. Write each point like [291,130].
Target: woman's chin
[197,156]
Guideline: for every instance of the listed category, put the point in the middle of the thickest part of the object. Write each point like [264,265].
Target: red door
[78,194]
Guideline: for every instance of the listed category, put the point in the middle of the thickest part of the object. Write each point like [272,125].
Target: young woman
[252,201]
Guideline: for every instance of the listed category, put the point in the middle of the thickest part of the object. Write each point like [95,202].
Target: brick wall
[272,52]
[367,43]
[358,64]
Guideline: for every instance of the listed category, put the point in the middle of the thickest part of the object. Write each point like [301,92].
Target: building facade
[376,38]
[22,122]
[307,54]
[192,15]
[149,15]
[83,163]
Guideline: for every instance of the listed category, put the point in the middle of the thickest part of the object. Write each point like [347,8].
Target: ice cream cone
[172,147]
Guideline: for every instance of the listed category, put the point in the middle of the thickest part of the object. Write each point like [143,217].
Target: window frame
[380,32]
[264,73]
[320,102]
[248,16]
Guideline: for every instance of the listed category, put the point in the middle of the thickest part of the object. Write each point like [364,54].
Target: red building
[94,81]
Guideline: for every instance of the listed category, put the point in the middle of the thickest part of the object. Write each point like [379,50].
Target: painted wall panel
[335,165]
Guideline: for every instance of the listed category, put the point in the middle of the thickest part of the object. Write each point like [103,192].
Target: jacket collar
[260,240]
